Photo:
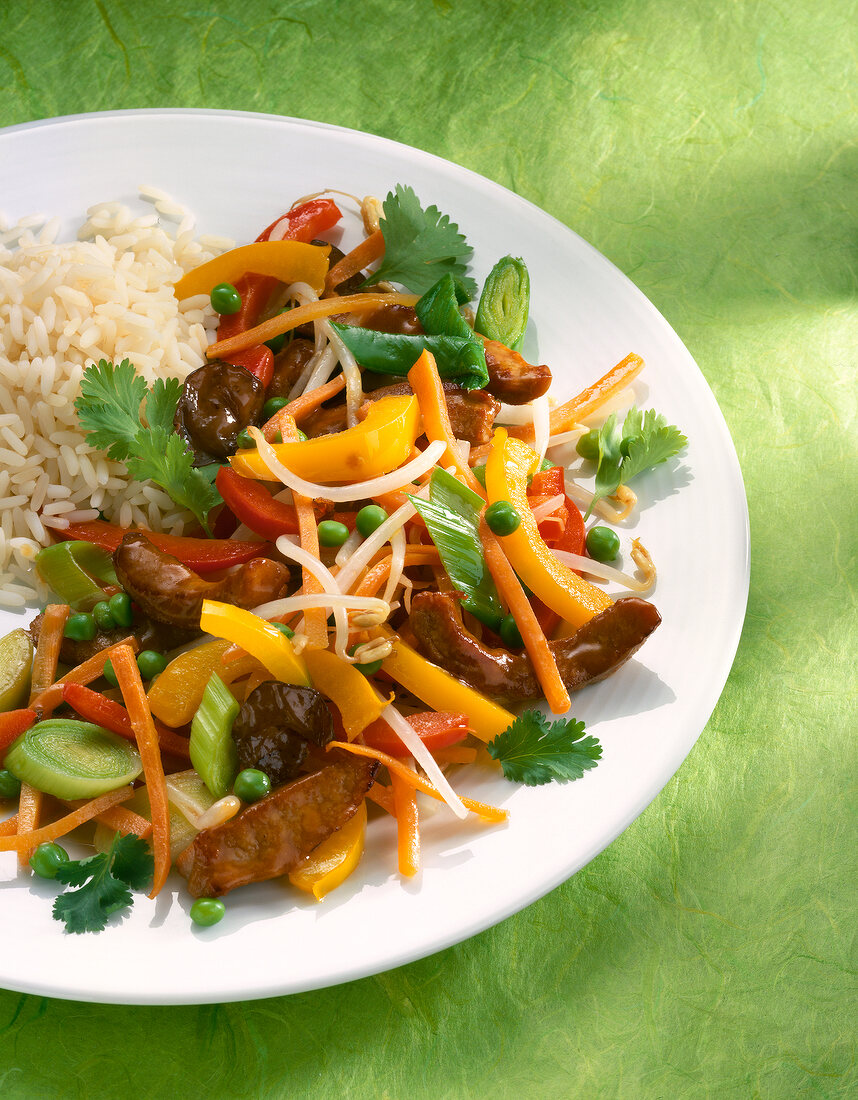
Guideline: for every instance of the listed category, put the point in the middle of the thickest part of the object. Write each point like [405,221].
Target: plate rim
[633,809]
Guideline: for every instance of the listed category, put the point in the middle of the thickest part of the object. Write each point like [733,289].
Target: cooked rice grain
[109,295]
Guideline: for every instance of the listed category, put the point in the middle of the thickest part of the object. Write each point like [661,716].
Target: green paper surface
[710,152]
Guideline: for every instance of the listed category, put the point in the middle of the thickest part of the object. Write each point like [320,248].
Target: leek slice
[16,662]
[213,751]
[71,759]
[505,303]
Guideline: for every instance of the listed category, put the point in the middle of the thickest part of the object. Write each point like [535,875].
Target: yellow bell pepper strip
[288,261]
[426,383]
[379,444]
[574,599]
[331,863]
[441,691]
[349,690]
[257,637]
[302,315]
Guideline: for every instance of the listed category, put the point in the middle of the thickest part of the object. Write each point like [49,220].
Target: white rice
[63,306]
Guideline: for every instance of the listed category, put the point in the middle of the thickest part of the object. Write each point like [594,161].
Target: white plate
[586,316]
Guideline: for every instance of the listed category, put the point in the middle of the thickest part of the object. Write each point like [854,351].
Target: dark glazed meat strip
[171,592]
[272,836]
[594,651]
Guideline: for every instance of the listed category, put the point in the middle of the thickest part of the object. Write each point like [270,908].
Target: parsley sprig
[420,245]
[644,440]
[104,882]
[134,425]
[534,751]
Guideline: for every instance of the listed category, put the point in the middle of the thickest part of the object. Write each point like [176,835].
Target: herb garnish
[104,882]
[644,440]
[420,245]
[534,751]
[134,425]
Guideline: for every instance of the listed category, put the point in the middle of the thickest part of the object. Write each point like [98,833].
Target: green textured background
[710,151]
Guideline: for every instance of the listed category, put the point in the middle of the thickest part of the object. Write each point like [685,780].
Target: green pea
[502,518]
[80,627]
[369,519]
[47,859]
[103,616]
[588,445]
[369,668]
[225,299]
[273,405]
[109,674]
[510,634]
[151,663]
[244,440]
[602,544]
[284,629]
[332,533]
[120,609]
[207,911]
[251,785]
[10,785]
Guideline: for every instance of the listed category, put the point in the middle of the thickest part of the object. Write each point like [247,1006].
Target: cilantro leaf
[645,440]
[420,245]
[134,425]
[534,751]
[103,882]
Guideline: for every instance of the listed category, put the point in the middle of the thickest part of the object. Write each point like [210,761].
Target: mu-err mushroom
[512,378]
[597,649]
[276,725]
[170,592]
[272,836]
[218,401]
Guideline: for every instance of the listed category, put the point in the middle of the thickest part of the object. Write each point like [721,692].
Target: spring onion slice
[424,758]
[359,490]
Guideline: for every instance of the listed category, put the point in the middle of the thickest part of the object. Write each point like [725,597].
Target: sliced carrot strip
[12,724]
[302,406]
[294,318]
[48,649]
[29,811]
[93,707]
[588,400]
[382,796]
[315,618]
[131,686]
[84,673]
[482,809]
[119,818]
[426,383]
[535,642]
[407,825]
[377,574]
[369,250]
[56,829]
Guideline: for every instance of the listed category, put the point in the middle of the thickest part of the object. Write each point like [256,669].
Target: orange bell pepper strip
[377,445]
[331,863]
[288,261]
[575,600]
[426,383]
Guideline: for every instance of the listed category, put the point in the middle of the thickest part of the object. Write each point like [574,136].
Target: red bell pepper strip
[93,707]
[258,360]
[12,724]
[254,506]
[435,729]
[306,222]
[201,555]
